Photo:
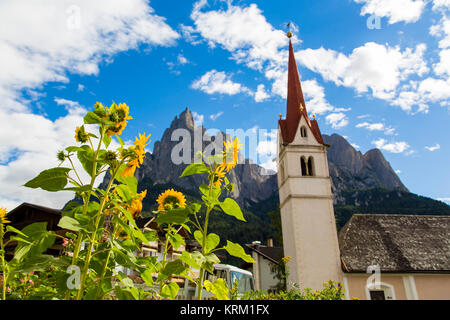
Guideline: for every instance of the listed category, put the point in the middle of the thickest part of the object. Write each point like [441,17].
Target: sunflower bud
[61,156]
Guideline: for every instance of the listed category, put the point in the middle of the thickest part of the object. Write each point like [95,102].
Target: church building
[374,256]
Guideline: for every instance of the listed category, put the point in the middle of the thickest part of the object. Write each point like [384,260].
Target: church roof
[296,108]
[396,243]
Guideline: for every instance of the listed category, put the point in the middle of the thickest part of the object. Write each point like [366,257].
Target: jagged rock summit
[349,169]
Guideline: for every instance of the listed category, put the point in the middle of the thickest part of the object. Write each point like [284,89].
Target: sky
[374,71]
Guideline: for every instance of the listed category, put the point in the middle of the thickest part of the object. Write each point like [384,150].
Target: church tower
[306,202]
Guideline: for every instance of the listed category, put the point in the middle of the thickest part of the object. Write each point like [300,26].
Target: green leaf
[198,235]
[212,241]
[74,149]
[176,240]
[191,260]
[147,276]
[230,207]
[175,216]
[170,290]
[92,118]
[210,260]
[50,180]
[36,240]
[69,224]
[194,168]
[106,140]
[120,140]
[218,288]
[86,158]
[175,267]
[124,192]
[131,182]
[12,229]
[236,250]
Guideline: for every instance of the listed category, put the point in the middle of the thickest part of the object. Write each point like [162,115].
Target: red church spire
[296,108]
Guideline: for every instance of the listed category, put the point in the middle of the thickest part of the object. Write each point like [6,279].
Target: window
[303,166]
[303,132]
[311,166]
[377,295]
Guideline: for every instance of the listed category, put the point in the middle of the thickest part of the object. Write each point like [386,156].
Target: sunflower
[120,116]
[171,199]
[3,220]
[81,135]
[218,175]
[136,204]
[230,154]
[137,155]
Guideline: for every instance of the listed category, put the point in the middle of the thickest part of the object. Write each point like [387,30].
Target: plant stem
[86,201]
[4,276]
[204,233]
[92,239]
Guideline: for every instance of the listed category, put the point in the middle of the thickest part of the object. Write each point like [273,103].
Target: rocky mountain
[251,184]
[349,169]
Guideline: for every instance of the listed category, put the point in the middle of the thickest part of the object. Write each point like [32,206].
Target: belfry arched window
[311,166]
[303,132]
[303,166]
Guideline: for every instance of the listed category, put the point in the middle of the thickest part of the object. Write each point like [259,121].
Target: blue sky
[374,71]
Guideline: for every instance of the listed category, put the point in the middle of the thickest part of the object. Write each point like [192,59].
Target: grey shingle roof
[397,243]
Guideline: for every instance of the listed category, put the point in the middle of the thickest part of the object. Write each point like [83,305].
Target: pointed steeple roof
[296,108]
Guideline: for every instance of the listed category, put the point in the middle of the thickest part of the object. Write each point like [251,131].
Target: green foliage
[331,291]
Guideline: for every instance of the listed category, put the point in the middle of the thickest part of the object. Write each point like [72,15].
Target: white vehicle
[231,274]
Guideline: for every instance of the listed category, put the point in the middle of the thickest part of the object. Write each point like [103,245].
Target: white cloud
[395,10]
[443,66]
[182,59]
[218,82]
[376,127]
[393,147]
[50,39]
[354,145]
[28,145]
[244,32]
[373,67]
[80,87]
[214,117]
[433,148]
[337,120]
[261,94]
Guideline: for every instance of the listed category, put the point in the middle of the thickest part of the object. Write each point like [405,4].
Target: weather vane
[289,34]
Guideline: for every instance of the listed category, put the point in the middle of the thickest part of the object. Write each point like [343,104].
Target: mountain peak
[185,120]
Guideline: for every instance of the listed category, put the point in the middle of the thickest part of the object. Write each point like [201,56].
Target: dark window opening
[377,295]
[303,165]
[303,132]
[311,166]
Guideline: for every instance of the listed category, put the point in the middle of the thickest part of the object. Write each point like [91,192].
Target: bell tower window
[303,166]
[311,166]
[303,132]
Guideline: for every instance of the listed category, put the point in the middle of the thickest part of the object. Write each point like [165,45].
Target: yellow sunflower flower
[171,199]
[3,212]
[81,135]
[119,114]
[230,154]
[138,156]
[218,175]
[136,204]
